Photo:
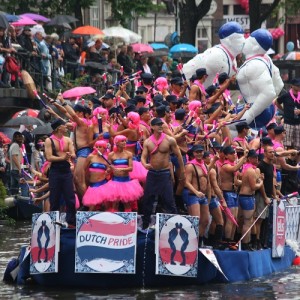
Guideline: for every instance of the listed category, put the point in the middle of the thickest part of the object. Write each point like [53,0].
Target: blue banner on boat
[45,237]
[177,245]
[105,242]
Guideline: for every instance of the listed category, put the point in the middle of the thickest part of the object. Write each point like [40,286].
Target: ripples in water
[284,285]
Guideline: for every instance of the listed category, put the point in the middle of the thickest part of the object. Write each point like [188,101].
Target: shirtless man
[59,150]
[159,183]
[81,143]
[252,180]
[227,185]
[197,182]
[197,91]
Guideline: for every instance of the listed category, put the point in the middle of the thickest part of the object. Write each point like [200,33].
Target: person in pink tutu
[99,128]
[121,188]
[134,134]
[97,172]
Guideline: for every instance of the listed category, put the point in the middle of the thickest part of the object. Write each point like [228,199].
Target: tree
[190,14]
[49,8]
[125,11]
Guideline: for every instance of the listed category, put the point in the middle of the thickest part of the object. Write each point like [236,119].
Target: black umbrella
[3,21]
[45,129]
[23,120]
[59,20]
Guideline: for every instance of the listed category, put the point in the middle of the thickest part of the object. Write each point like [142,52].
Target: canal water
[284,285]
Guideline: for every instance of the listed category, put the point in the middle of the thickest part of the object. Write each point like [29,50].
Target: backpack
[12,65]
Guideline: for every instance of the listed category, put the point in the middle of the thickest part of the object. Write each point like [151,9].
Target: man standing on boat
[59,151]
[159,181]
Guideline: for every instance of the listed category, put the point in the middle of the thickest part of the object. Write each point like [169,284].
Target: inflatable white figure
[259,79]
[220,58]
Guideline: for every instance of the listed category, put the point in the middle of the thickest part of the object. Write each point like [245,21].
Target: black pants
[61,185]
[158,183]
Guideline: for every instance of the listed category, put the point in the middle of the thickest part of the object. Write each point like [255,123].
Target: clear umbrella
[126,35]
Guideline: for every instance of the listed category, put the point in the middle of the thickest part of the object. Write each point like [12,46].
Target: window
[203,35]
[95,16]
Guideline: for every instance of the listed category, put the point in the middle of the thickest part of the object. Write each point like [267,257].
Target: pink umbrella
[36,17]
[140,48]
[78,92]
[24,21]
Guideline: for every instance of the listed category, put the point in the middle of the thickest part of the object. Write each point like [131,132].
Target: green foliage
[126,10]
[3,207]
[291,7]
[49,8]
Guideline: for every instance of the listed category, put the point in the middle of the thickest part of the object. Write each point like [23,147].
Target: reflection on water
[285,285]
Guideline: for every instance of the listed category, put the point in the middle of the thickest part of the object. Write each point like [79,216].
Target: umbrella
[59,20]
[11,18]
[78,92]
[140,48]
[183,50]
[88,30]
[3,21]
[24,120]
[118,32]
[26,112]
[159,46]
[36,17]
[23,21]
[45,129]
[293,55]
[4,139]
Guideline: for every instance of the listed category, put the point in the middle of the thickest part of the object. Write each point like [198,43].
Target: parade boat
[85,259]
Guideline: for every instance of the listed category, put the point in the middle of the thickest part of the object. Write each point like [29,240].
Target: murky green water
[285,285]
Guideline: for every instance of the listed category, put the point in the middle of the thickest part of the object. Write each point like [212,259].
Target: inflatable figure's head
[231,35]
[259,42]
[230,28]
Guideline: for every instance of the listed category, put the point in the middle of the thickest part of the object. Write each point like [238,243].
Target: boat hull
[236,265]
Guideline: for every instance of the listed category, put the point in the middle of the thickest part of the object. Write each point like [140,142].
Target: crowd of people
[160,143]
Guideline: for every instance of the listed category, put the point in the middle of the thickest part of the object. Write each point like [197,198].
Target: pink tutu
[124,190]
[138,172]
[95,194]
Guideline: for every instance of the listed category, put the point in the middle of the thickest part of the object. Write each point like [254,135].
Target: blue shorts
[247,202]
[214,203]
[84,152]
[231,199]
[193,199]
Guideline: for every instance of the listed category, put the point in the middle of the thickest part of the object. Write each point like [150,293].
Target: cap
[142,110]
[200,72]
[263,37]
[56,123]
[210,90]
[179,114]
[271,126]
[197,147]
[216,145]
[228,150]
[108,96]
[26,28]
[183,100]
[139,99]
[141,89]
[172,99]
[267,141]
[279,129]
[156,121]
[241,126]
[129,108]
[252,153]
[295,81]
[230,28]
[158,98]
[79,107]
[177,80]
[146,76]
[222,77]
[206,154]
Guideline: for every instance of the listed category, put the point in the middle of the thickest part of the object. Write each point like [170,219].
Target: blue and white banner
[105,242]
[45,237]
[177,245]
